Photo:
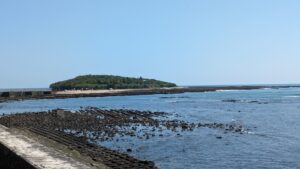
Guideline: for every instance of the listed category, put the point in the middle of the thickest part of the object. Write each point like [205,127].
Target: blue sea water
[272,115]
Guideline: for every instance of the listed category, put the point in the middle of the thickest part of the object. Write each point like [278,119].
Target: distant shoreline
[21,95]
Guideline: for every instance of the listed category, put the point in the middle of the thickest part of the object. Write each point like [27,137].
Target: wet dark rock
[258,102]
[96,124]
[231,100]
[184,126]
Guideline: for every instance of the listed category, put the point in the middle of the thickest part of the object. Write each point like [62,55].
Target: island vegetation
[88,82]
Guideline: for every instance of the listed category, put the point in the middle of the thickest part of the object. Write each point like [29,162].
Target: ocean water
[271,115]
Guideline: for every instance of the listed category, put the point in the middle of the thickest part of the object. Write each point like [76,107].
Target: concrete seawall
[10,160]
[19,150]
[25,94]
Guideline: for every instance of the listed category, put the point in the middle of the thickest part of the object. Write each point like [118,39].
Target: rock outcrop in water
[99,124]
[79,129]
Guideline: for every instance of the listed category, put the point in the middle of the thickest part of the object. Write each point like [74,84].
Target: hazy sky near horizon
[189,42]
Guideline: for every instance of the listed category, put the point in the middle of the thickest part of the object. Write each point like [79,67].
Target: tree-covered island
[88,82]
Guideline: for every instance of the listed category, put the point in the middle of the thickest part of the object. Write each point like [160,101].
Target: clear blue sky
[189,42]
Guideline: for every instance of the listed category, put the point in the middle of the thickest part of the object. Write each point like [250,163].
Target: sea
[272,117]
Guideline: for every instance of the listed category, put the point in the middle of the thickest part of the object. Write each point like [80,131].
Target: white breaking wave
[221,90]
[293,96]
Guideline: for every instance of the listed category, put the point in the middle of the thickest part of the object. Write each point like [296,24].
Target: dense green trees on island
[108,82]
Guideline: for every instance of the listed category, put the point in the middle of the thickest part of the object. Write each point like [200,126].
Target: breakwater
[24,94]
[48,94]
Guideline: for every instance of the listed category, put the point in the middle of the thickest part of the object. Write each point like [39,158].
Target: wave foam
[293,96]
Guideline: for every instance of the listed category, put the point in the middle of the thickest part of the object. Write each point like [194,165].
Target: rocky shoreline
[82,129]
